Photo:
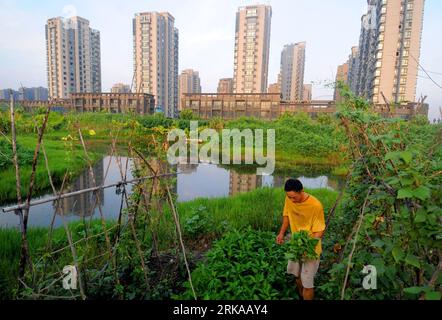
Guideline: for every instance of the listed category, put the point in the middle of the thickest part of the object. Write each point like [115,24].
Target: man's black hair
[293,185]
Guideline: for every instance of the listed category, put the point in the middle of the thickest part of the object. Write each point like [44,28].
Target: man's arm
[284,227]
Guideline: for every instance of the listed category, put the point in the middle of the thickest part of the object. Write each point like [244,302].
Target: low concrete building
[138,103]
[269,106]
[232,106]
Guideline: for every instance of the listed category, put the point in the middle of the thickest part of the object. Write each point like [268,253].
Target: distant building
[268,106]
[225,85]
[274,88]
[307,95]
[156,59]
[30,94]
[39,94]
[189,82]
[341,76]
[292,71]
[353,68]
[252,45]
[137,103]
[120,88]
[348,73]
[389,50]
[73,57]
[5,94]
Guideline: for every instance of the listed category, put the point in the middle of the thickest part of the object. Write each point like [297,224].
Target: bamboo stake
[24,254]
[177,222]
[354,244]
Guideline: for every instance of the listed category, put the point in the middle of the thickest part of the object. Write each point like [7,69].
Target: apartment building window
[403,80]
[251,25]
[402,90]
[404,71]
[378,73]
[405,62]
[251,13]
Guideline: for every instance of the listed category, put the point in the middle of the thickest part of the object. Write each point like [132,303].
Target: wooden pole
[24,252]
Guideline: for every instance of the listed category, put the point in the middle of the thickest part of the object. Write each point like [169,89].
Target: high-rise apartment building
[189,82]
[292,71]
[341,76]
[252,46]
[389,50]
[225,85]
[308,92]
[353,61]
[156,59]
[73,57]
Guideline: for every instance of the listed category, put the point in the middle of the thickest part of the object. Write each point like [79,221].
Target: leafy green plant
[243,265]
[301,247]
[198,223]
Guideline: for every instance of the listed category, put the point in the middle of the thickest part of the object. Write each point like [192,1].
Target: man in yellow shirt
[302,211]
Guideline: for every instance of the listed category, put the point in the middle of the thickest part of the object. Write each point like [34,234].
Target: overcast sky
[206,44]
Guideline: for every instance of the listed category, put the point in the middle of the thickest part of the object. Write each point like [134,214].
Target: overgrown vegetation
[389,216]
[391,212]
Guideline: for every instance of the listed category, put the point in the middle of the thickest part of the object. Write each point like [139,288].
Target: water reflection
[193,181]
[82,205]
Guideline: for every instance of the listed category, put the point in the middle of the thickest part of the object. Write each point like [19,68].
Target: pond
[192,181]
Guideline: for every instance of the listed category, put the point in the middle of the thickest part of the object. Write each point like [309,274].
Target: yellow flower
[92,132]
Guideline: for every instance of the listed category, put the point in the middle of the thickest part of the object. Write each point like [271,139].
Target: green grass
[59,162]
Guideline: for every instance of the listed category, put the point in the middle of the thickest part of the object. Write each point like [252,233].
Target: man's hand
[285,225]
[280,238]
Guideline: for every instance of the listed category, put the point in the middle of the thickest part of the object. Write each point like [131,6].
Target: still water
[193,181]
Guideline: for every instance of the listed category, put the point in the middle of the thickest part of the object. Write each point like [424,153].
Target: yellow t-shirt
[308,216]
